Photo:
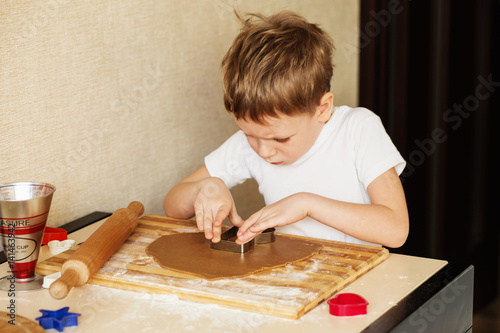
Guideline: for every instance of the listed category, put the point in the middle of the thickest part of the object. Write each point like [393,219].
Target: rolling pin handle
[60,288]
[136,207]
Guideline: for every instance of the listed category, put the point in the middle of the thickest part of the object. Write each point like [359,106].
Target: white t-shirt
[352,150]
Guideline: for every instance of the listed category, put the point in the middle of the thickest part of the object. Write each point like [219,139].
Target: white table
[390,285]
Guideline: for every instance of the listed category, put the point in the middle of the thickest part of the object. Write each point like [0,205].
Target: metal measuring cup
[24,208]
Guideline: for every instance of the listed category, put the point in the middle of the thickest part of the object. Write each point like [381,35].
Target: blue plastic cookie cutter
[58,319]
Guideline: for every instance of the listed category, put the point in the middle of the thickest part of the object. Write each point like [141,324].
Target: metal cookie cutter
[265,237]
[228,237]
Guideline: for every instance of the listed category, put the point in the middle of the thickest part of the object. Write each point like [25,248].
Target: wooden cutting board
[288,291]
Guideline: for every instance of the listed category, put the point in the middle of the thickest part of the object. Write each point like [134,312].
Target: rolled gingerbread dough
[191,253]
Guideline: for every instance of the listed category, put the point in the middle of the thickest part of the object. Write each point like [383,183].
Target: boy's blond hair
[277,64]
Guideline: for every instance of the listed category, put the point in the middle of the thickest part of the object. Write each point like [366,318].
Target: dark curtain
[430,70]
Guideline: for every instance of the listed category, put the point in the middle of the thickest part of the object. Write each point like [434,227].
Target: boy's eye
[282,140]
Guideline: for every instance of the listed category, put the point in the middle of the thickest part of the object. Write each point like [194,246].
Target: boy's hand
[286,211]
[213,204]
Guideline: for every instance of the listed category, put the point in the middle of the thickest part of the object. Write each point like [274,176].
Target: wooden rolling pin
[96,250]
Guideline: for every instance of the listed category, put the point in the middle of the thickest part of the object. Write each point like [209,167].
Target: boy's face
[283,140]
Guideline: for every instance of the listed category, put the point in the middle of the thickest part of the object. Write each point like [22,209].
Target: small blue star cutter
[58,319]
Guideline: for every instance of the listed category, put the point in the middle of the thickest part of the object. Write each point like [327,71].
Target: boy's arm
[179,201]
[384,221]
[205,197]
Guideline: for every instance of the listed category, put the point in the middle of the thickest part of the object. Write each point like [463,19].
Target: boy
[324,171]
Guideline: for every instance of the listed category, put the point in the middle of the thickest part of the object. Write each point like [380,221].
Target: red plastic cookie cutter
[51,234]
[347,304]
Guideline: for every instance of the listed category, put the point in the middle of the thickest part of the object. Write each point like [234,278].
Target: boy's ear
[325,108]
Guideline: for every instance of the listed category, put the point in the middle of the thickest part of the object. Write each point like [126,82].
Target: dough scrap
[191,253]
[22,324]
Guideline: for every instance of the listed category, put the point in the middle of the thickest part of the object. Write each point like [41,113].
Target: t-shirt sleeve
[228,162]
[374,150]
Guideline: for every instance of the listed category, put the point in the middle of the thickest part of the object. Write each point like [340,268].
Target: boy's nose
[266,149]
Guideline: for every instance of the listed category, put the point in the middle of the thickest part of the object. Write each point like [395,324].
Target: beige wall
[115,101]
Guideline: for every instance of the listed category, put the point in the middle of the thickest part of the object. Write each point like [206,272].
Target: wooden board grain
[287,291]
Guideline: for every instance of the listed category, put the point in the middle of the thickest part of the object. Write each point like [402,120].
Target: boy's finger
[222,213]
[235,218]
[207,227]
[254,219]
[250,229]
[261,226]
[244,226]
[217,225]
[199,220]
[246,237]
[216,233]
[244,233]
